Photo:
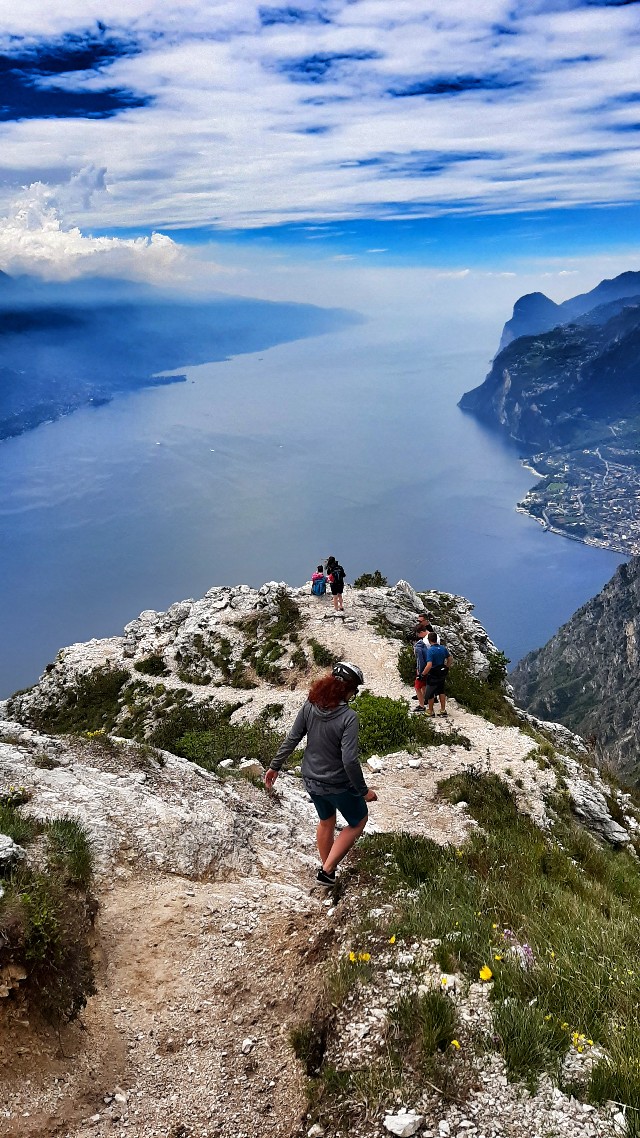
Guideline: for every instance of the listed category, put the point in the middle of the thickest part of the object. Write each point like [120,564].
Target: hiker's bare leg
[443,702]
[343,843]
[420,692]
[335,602]
[325,834]
[431,705]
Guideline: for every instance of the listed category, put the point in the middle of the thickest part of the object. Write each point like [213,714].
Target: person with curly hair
[331,769]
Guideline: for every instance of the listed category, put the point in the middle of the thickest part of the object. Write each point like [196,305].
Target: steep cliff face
[557,388]
[587,675]
[535,312]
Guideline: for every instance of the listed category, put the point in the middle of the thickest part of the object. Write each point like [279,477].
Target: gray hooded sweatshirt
[330,764]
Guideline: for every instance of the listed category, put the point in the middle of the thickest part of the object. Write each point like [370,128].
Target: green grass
[574,904]
[20,827]
[70,850]
[425,1024]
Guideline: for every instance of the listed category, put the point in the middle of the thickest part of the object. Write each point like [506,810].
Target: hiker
[438,664]
[335,577]
[420,684]
[331,770]
[318,582]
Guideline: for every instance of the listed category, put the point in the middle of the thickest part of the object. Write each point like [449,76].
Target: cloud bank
[35,240]
[244,114]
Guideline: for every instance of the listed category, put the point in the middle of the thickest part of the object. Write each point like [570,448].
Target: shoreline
[592,542]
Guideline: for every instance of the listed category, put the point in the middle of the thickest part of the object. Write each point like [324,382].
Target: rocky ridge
[213,942]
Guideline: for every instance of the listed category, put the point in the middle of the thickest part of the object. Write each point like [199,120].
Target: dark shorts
[336,589]
[352,806]
[435,688]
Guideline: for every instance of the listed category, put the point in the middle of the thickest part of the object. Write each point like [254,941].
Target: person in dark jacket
[336,577]
[331,769]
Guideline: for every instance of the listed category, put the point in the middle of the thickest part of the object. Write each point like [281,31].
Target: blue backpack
[319,587]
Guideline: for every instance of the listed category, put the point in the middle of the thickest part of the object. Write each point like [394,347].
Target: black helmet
[350,673]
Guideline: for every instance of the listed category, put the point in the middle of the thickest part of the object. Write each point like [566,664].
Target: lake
[349,443]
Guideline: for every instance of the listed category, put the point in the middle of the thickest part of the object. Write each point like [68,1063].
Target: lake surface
[350,444]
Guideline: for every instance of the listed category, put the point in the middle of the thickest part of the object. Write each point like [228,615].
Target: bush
[370,580]
[151,666]
[407,664]
[479,696]
[322,656]
[386,725]
[94,703]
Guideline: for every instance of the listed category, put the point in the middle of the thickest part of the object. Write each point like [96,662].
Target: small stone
[315,1131]
[247,1046]
[403,1124]
[443,1128]
[375,763]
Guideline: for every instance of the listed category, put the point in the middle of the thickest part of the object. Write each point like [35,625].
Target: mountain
[535,312]
[63,346]
[151,886]
[570,396]
[586,676]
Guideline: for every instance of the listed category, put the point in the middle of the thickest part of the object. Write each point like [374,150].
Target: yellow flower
[352,957]
[454,1043]
[392,939]
[494,926]
[552,954]
[497,956]
[459,853]
[590,1042]
[443,981]
[485,973]
[366,956]
[547,1018]
[564,1026]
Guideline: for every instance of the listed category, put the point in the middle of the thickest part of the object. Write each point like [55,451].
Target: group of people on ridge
[331,769]
[333,574]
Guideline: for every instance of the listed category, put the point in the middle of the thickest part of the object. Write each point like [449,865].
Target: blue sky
[434,132]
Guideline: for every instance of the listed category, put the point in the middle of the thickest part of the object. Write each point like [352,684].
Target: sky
[265,147]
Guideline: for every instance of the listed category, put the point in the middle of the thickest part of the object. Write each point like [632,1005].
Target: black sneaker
[441,713]
[326,879]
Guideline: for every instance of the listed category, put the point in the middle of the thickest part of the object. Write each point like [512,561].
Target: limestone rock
[10,852]
[403,1125]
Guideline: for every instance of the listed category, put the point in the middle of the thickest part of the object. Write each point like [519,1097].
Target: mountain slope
[586,676]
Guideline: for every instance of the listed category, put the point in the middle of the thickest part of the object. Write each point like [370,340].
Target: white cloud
[230,137]
[35,240]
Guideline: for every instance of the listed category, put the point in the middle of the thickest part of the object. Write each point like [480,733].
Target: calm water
[350,443]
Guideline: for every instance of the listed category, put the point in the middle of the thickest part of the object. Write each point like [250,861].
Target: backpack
[337,574]
[319,587]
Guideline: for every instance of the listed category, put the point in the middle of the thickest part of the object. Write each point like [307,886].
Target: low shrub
[407,664]
[93,703]
[370,580]
[479,696]
[386,725]
[70,850]
[153,665]
[530,1041]
[425,1024]
[322,656]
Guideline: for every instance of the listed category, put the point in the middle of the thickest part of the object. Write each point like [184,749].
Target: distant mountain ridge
[567,389]
[67,345]
[535,312]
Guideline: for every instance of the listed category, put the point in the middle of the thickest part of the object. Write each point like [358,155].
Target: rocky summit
[168,967]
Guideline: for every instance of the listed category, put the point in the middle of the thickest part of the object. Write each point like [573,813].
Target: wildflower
[494,926]
[459,853]
[590,1042]
[454,1043]
[443,981]
[547,1018]
[497,956]
[564,1026]
[365,956]
[485,973]
[352,957]
[392,939]
[552,954]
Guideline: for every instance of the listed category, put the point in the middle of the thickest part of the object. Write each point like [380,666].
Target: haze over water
[350,443]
